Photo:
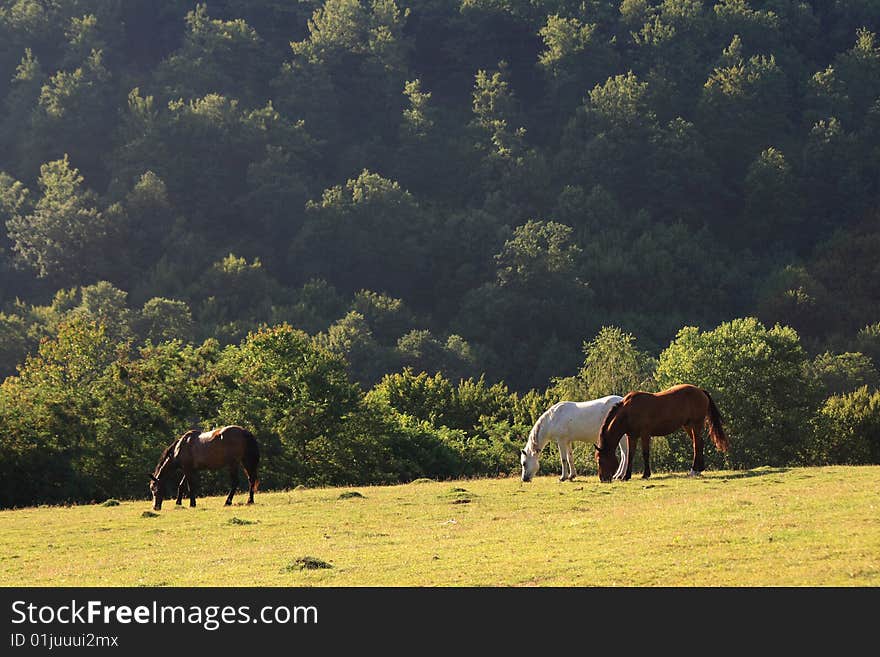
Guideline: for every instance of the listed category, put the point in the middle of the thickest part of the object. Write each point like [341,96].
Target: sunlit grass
[798,527]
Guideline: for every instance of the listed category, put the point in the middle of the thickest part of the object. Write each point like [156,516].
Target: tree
[847,430]
[535,311]
[63,237]
[106,305]
[14,343]
[848,88]
[840,374]
[217,56]
[743,107]
[515,174]
[388,318]
[772,212]
[236,296]
[346,75]
[756,376]
[75,113]
[613,365]
[162,320]
[295,397]
[609,138]
[369,233]
[351,339]
[868,342]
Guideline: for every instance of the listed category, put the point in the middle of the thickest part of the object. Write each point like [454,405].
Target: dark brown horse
[227,447]
[641,415]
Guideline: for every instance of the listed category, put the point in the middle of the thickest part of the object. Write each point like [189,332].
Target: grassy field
[763,527]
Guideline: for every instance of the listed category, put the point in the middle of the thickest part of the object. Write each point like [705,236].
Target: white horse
[567,422]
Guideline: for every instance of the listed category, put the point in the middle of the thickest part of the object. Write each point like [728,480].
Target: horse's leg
[569,456]
[646,456]
[623,445]
[180,489]
[191,483]
[233,483]
[250,471]
[562,447]
[699,464]
[252,484]
[631,442]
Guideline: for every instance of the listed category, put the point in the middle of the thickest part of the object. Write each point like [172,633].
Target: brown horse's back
[661,413]
[212,450]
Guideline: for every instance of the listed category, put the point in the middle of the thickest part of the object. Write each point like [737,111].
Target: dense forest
[387,235]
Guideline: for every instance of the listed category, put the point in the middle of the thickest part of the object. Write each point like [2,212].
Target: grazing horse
[227,447]
[641,415]
[565,423]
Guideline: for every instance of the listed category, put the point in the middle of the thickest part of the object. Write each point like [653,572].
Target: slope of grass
[763,527]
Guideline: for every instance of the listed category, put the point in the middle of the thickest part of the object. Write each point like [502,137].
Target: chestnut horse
[227,447]
[641,415]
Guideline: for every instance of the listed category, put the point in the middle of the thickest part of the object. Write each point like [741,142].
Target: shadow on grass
[714,475]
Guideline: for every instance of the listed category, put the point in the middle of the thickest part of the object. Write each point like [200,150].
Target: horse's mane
[611,414]
[168,454]
[536,429]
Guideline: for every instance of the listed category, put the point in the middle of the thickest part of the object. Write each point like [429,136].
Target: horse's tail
[715,428]
[251,456]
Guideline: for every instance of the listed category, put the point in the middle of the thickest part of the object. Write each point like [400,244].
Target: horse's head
[158,477]
[609,436]
[157,492]
[529,463]
[607,462]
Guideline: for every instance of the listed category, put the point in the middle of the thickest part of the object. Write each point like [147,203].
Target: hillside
[386,235]
[762,527]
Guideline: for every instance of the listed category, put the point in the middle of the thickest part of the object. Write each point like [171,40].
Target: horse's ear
[523,452]
[153,477]
[598,449]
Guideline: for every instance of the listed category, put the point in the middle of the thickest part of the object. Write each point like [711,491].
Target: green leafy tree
[19,103]
[757,378]
[613,365]
[847,430]
[295,397]
[515,173]
[388,318]
[536,310]
[64,235]
[868,342]
[742,110]
[14,343]
[848,88]
[237,295]
[840,374]
[107,306]
[608,139]
[217,56]
[74,112]
[162,320]
[369,233]
[351,339]
[772,211]
[346,75]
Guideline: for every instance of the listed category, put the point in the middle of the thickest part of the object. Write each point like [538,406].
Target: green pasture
[762,527]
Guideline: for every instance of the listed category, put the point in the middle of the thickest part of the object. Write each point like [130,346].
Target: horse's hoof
[694,473]
[646,476]
[227,503]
